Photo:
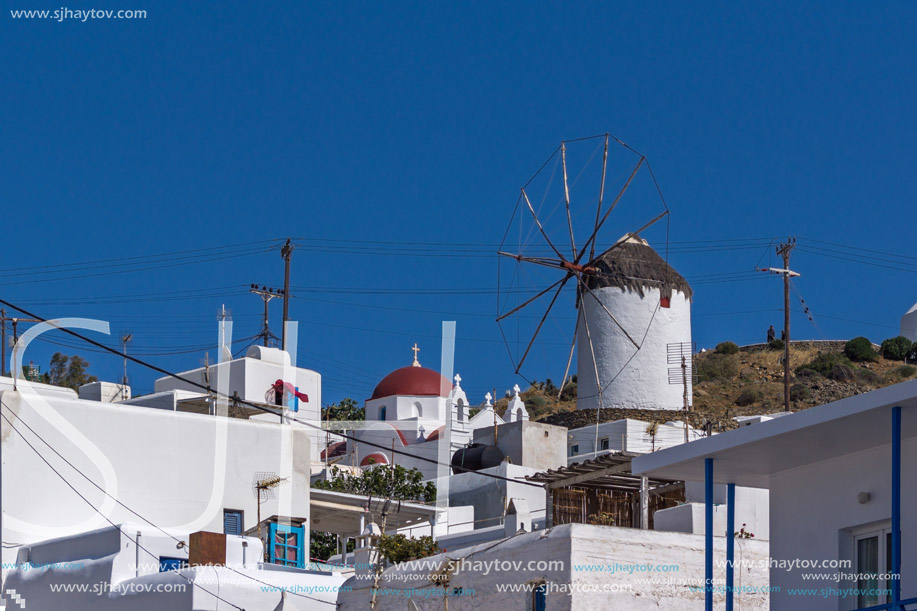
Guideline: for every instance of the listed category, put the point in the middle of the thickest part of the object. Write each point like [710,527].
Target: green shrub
[727,348]
[716,367]
[841,373]
[897,348]
[868,377]
[537,401]
[749,396]
[775,344]
[903,372]
[800,392]
[806,373]
[824,362]
[860,349]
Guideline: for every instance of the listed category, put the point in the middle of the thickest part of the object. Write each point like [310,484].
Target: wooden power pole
[287,253]
[784,251]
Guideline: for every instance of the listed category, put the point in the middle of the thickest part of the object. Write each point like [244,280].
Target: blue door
[540,595]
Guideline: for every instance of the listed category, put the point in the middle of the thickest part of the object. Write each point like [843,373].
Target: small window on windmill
[665,302]
[382,413]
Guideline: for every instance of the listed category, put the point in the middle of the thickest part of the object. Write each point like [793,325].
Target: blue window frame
[540,597]
[232,522]
[171,564]
[286,545]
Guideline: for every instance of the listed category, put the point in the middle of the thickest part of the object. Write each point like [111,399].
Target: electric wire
[252,405]
[106,518]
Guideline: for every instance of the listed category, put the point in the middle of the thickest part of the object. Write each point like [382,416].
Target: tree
[399,548]
[347,409]
[323,545]
[897,348]
[68,371]
[385,481]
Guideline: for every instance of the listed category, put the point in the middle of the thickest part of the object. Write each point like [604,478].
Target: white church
[410,409]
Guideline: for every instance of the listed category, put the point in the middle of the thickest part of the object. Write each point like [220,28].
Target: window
[872,559]
[286,545]
[540,597]
[574,450]
[382,413]
[171,564]
[232,522]
[665,302]
[603,443]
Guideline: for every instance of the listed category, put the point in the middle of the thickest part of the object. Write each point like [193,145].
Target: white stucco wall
[105,563]
[909,324]
[627,435]
[588,557]
[638,382]
[176,469]
[814,508]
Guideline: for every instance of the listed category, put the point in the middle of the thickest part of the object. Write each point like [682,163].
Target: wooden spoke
[563,157]
[607,311]
[595,365]
[612,207]
[598,211]
[628,236]
[519,307]
[540,228]
[569,360]
[543,318]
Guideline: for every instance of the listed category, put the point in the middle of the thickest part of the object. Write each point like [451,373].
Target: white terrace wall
[176,469]
[600,564]
[815,512]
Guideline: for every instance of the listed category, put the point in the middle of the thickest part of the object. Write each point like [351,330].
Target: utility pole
[3,348]
[287,253]
[784,250]
[124,339]
[15,322]
[266,295]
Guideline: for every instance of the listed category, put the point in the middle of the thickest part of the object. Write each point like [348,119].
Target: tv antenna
[263,486]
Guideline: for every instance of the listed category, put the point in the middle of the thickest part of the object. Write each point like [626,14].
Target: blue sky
[394,139]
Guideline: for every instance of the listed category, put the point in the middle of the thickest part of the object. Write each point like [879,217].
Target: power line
[260,408]
[106,518]
[116,500]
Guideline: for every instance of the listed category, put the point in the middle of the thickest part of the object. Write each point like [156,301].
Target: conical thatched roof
[633,265]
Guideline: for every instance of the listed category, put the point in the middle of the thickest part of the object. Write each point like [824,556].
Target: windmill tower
[630,304]
[644,293]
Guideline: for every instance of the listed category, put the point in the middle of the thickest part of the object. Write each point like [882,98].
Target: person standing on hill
[771,334]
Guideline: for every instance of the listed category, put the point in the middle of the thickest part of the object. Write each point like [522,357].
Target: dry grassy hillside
[748,382]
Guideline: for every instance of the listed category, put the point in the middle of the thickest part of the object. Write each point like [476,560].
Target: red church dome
[413,381]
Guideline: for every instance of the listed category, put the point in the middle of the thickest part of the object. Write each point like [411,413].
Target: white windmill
[630,303]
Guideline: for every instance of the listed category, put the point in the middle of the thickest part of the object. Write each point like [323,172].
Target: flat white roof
[750,455]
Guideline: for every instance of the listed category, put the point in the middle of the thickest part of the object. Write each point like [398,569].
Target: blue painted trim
[896,504]
[730,542]
[708,534]
[901,605]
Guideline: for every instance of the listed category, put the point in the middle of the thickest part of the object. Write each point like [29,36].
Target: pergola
[609,472]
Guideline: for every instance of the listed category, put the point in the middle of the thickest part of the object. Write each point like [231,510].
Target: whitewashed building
[840,479]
